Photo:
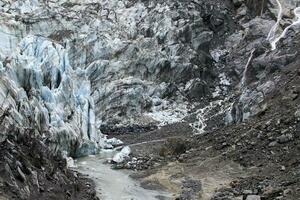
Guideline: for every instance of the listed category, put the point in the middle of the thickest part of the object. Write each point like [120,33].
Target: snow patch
[168,113]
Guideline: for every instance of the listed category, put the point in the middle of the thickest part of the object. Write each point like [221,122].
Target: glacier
[42,90]
[72,67]
[120,47]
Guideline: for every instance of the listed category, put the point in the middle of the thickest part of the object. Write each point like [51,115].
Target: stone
[114,142]
[273,144]
[285,138]
[297,114]
[283,168]
[287,192]
[238,2]
[253,197]
[247,192]
[21,175]
[69,68]
[238,198]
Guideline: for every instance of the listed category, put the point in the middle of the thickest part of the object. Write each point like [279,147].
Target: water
[272,34]
[283,34]
[202,117]
[244,77]
[115,184]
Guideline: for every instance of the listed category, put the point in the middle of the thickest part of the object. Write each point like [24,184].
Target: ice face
[70,64]
[134,55]
[62,68]
[46,91]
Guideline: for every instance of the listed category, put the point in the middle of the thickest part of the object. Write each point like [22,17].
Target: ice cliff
[143,59]
[42,90]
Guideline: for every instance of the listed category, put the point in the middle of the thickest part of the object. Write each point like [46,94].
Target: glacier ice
[130,54]
[73,66]
[122,155]
[47,93]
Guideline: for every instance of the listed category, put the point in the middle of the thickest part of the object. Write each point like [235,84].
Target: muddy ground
[256,159]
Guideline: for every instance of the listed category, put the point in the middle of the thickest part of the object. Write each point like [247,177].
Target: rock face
[261,64]
[30,171]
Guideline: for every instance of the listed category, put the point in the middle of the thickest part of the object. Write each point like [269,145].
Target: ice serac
[45,92]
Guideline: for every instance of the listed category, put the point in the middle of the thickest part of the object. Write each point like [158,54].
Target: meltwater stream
[272,34]
[115,184]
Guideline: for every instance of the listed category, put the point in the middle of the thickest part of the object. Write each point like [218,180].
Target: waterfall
[272,34]
[203,115]
[296,22]
[244,77]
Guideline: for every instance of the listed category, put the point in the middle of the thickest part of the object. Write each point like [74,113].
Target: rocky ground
[30,171]
[256,159]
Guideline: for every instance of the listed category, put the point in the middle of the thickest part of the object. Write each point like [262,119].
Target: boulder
[122,155]
[253,197]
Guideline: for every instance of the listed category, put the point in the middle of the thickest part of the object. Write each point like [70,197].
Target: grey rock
[297,114]
[287,192]
[247,192]
[238,2]
[283,168]
[21,175]
[253,197]
[285,138]
[273,144]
